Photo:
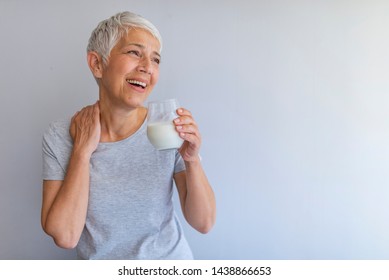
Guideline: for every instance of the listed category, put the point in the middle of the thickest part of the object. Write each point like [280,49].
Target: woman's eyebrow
[143,47]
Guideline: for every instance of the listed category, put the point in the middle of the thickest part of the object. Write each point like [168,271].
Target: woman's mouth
[136,83]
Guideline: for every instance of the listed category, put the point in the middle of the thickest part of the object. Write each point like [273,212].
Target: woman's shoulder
[58,128]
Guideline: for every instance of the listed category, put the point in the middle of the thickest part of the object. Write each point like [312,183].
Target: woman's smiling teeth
[137,83]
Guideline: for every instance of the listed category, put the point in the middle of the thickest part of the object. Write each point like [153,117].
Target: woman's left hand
[188,130]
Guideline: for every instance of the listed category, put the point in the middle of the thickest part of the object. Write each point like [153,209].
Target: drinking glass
[161,130]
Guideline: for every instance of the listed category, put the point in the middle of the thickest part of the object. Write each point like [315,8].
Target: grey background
[291,98]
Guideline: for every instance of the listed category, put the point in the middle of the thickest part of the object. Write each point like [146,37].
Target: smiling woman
[106,190]
[131,71]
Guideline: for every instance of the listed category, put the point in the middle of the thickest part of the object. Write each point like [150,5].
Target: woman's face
[132,69]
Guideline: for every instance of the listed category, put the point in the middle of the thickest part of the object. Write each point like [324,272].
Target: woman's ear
[95,64]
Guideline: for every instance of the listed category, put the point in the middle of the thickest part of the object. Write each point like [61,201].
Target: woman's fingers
[188,130]
[85,128]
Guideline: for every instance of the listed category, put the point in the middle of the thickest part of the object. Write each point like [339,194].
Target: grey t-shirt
[130,209]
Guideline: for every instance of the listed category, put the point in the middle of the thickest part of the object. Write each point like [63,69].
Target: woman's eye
[134,52]
[157,60]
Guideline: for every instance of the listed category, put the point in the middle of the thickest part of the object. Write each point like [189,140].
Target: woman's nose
[145,65]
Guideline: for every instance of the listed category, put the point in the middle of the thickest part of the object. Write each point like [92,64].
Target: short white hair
[108,32]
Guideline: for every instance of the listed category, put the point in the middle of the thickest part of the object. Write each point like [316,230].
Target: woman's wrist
[193,162]
[81,155]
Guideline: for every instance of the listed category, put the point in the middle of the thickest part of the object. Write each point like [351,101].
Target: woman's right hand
[85,129]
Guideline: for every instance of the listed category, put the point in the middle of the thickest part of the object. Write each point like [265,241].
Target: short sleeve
[179,163]
[51,167]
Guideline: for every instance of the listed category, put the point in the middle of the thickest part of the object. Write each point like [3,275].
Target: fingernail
[177,120]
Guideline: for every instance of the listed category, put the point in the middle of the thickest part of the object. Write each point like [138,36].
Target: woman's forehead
[139,37]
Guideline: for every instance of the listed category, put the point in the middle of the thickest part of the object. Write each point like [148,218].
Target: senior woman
[106,190]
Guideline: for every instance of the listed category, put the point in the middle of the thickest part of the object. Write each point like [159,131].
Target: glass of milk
[161,130]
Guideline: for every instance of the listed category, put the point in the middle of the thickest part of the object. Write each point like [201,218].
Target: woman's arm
[196,197]
[65,203]
[196,194]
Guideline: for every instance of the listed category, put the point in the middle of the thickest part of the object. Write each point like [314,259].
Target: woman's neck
[119,124]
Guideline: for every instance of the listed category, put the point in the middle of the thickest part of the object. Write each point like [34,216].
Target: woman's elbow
[205,226]
[65,243]
[61,239]
[204,229]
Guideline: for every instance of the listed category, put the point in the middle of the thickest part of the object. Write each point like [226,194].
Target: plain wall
[292,102]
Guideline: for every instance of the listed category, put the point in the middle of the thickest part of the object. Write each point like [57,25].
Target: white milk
[163,135]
